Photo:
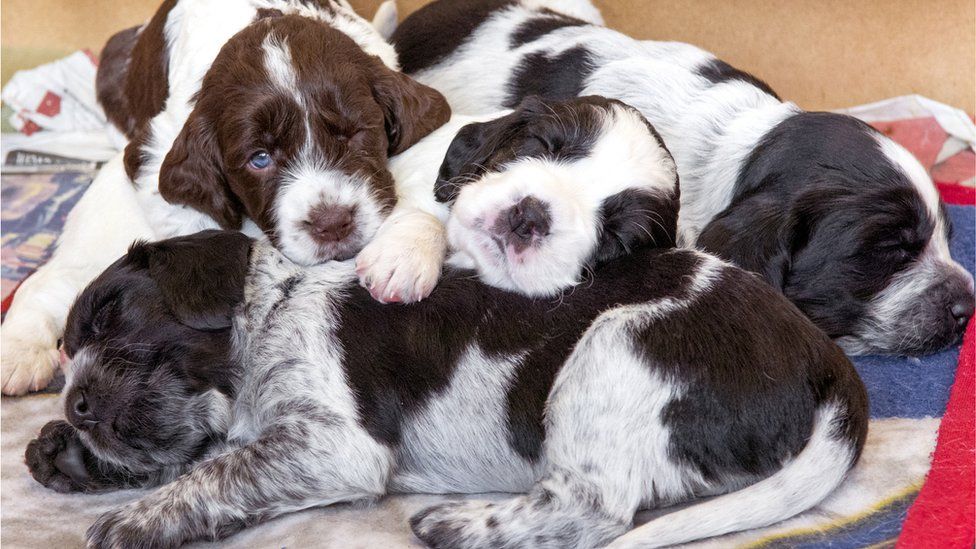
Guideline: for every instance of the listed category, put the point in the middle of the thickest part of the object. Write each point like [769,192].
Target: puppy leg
[296,465]
[564,509]
[403,262]
[98,230]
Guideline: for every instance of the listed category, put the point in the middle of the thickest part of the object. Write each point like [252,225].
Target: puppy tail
[385,19]
[802,483]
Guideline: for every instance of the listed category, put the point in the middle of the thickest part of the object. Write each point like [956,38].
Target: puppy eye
[259,160]
[537,146]
[348,136]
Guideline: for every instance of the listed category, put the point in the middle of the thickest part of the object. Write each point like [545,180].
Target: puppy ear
[201,276]
[412,110]
[635,218]
[467,157]
[192,174]
[757,235]
[110,80]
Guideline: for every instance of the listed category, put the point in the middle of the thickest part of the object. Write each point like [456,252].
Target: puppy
[250,386]
[279,117]
[554,188]
[846,223]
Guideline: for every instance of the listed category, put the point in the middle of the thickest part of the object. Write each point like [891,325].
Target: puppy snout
[961,304]
[328,224]
[80,411]
[529,218]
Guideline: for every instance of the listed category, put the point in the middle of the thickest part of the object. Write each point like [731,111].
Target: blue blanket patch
[919,387]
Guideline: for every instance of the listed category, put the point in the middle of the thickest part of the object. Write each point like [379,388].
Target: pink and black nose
[528,219]
[80,411]
[330,224]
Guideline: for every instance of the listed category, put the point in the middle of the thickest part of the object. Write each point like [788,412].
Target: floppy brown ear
[412,110]
[193,174]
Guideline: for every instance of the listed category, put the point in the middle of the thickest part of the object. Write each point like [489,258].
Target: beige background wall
[822,54]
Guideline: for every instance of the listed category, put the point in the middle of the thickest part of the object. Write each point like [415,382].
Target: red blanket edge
[944,514]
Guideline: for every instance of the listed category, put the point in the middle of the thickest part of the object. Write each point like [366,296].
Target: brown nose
[329,223]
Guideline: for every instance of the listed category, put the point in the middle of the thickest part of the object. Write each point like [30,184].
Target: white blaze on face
[310,182]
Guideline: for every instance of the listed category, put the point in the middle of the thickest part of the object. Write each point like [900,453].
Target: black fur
[536,129]
[823,217]
[418,48]
[156,328]
[721,433]
[717,71]
[537,27]
[553,77]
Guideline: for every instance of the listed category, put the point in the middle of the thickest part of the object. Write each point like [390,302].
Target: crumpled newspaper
[56,113]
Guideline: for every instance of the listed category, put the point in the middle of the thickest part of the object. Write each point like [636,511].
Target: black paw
[56,458]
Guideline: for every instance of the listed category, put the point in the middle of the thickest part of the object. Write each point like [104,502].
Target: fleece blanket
[914,484]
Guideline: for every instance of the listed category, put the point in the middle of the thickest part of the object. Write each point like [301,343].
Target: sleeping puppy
[846,223]
[276,116]
[554,187]
[249,386]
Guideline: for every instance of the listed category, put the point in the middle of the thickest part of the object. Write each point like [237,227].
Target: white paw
[404,260]
[398,274]
[26,364]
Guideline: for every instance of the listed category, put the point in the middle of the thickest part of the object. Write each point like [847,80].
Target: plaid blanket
[914,483]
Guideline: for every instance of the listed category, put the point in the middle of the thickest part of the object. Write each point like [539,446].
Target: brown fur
[132,83]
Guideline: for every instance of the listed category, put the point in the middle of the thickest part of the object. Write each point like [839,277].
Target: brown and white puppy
[299,142]
[348,105]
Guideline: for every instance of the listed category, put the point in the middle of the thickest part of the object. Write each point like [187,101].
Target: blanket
[914,482]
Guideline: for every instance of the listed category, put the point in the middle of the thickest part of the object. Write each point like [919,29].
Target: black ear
[757,235]
[411,109]
[201,276]
[465,160]
[192,173]
[635,218]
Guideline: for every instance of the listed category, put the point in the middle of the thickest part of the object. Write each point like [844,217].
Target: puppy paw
[455,524]
[400,266]
[26,364]
[130,526]
[55,458]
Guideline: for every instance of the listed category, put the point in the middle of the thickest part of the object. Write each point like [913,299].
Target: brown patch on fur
[131,82]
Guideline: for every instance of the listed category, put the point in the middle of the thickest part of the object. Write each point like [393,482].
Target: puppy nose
[528,218]
[962,309]
[330,223]
[80,412]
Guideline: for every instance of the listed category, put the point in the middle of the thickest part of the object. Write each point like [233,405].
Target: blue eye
[259,160]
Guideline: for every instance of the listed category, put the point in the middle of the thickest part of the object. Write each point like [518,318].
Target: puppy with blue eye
[246,385]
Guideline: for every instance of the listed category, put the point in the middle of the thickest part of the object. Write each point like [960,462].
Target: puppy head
[292,127]
[148,342]
[554,188]
[850,227]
